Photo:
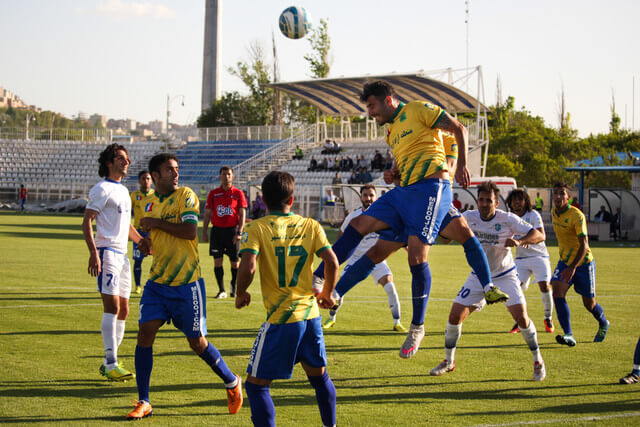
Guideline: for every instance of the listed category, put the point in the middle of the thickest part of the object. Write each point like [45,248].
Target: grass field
[50,349]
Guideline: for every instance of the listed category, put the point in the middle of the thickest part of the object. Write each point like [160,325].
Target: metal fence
[56,134]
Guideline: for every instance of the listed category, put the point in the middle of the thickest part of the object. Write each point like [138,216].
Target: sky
[122,58]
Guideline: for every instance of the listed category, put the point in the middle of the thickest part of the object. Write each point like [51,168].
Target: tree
[319,60]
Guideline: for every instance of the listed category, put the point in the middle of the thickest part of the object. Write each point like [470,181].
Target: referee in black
[226,209]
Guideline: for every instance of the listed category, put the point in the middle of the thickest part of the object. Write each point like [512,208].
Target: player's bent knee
[258,381]
[312,371]
[199,344]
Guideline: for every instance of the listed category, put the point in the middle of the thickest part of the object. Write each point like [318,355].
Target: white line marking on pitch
[565,420]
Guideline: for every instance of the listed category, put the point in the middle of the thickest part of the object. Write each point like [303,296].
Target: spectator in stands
[258,208]
[539,203]
[299,155]
[349,163]
[330,199]
[359,161]
[313,164]
[337,179]
[378,161]
[327,147]
[23,196]
[324,165]
[365,176]
[331,165]
[336,147]
[343,164]
[353,179]
[465,208]
[203,195]
[388,160]
[456,201]
[603,215]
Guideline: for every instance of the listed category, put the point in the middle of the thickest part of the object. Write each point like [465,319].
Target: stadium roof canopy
[340,96]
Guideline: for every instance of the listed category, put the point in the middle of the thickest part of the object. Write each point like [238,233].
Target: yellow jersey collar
[163,197]
[560,213]
[276,213]
[395,114]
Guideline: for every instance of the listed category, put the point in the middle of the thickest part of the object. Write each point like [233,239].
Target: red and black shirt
[225,206]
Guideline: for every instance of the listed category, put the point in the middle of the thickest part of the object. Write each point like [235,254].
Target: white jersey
[367,241]
[493,234]
[112,202]
[539,249]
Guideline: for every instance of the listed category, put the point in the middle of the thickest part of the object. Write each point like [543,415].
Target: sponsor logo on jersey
[196,308]
[188,203]
[148,207]
[429,106]
[403,116]
[427,217]
[224,211]
[498,227]
[245,237]
[406,132]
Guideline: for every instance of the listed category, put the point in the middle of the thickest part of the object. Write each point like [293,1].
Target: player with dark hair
[532,260]
[109,205]
[381,273]
[175,291]
[283,244]
[138,202]
[576,266]
[226,209]
[496,230]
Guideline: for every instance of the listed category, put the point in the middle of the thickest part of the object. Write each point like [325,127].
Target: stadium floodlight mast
[28,118]
[169,101]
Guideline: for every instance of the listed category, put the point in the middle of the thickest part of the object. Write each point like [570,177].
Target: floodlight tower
[211,58]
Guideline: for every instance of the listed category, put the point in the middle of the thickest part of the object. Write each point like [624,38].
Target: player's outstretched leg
[634,375]
[331,320]
[394,305]
[343,248]
[263,412]
[547,303]
[530,336]
[326,397]
[451,337]
[603,323]
[232,382]
[420,288]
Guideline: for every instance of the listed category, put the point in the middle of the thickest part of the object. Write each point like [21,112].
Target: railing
[56,134]
[305,137]
[239,133]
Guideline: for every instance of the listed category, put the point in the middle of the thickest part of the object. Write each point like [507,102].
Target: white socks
[547,302]
[108,330]
[120,327]
[451,337]
[530,336]
[392,298]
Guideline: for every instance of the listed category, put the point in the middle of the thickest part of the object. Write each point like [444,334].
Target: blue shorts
[583,280]
[184,305]
[137,255]
[279,347]
[415,210]
[390,236]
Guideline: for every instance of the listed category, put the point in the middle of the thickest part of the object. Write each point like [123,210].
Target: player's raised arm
[451,124]
[246,271]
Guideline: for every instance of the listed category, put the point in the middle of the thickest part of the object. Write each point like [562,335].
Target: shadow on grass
[34,235]
[53,297]
[69,227]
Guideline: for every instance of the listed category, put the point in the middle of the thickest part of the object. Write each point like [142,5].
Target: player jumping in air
[495,229]
[282,244]
[175,290]
[576,266]
[532,260]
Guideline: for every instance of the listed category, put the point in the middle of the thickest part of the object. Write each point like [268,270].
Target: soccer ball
[294,22]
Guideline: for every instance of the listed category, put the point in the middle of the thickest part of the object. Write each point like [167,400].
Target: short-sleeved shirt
[568,226]
[225,206]
[493,234]
[539,249]
[285,244]
[175,260]
[137,205]
[23,193]
[450,145]
[415,142]
[111,200]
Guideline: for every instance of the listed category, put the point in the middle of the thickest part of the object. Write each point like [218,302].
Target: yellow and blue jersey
[175,261]
[415,141]
[450,144]
[284,245]
[137,205]
[568,226]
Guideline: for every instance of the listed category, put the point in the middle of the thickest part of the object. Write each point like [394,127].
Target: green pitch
[50,348]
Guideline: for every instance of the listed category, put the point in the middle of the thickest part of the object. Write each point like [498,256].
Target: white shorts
[538,266]
[472,293]
[379,271]
[115,276]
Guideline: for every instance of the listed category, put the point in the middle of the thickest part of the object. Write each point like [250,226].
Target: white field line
[565,420]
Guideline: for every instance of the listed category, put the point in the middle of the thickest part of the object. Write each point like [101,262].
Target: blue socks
[564,316]
[598,314]
[213,358]
[137,271]
[326,398]
[144,365]
[263,413]
[420,288]
[636,355]
[343,248]
[355,274]
[477,260]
